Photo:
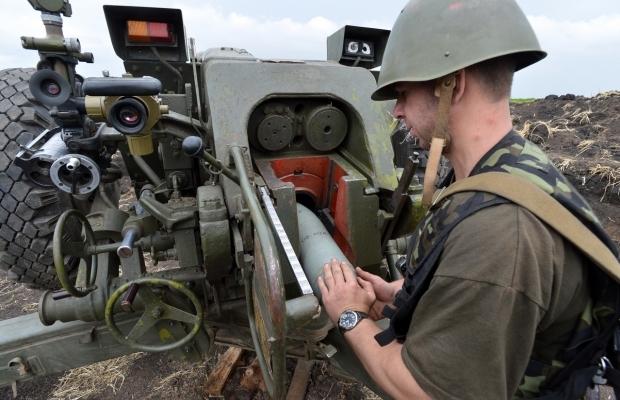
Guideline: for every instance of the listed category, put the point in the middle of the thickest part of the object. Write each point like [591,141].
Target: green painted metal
[214,232]
[45,44]
[302,310]
[52,6]
[204,213]
[268,314]
[77,249]
[230,174]
[88,308]
[375,38]
[367,145]
[155,310]
[56,348]
[62,346]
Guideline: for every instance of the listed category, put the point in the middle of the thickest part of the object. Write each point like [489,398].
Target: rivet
[447,54]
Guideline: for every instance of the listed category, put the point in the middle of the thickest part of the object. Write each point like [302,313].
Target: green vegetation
[523,101]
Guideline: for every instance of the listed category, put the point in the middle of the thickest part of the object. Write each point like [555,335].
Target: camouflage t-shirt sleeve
[473,331]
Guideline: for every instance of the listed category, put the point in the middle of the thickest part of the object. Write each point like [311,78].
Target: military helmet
[433,38]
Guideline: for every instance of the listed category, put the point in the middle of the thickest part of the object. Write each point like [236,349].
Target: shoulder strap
[543,206]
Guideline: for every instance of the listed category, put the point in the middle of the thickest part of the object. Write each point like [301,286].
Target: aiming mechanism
[250,174]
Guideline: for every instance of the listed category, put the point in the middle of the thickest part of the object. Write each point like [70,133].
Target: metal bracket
[21,366]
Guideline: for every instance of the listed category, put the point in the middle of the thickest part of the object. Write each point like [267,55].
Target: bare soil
[582,136]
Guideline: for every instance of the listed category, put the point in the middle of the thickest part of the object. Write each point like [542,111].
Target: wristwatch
[349,319]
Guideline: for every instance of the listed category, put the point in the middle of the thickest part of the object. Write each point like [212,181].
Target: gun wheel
[64,249]
[155,311]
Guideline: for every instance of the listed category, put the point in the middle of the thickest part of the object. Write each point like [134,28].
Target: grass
[369,394]
[12,294]
[611,93]
[94,379]
[168,386]
[28,308]
[523,100]
[581,117]
[565,164]
[7,288]
[541,130]
[606,154]
[606,173]
[584,146]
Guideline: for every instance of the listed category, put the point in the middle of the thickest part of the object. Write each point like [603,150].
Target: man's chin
[419,142]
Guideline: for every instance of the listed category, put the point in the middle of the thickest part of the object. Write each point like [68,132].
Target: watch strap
[360,316]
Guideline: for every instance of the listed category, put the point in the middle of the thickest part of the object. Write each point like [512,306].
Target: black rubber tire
[27,212]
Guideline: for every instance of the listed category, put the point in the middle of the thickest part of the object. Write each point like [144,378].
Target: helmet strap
[441,137]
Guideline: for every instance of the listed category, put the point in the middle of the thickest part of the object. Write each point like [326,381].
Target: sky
[581,37]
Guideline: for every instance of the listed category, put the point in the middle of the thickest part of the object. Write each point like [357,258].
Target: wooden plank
[252,379]
[301,377]
[218,377]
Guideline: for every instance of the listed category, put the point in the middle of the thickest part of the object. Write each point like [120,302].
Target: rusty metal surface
[270,319]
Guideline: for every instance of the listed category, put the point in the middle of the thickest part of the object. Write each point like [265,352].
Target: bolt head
[157,312]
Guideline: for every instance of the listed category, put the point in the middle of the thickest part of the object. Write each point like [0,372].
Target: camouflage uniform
[514,155]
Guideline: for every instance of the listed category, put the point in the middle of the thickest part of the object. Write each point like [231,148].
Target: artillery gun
[250,174]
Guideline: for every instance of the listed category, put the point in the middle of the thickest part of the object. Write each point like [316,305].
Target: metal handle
[125,250]
[129,297]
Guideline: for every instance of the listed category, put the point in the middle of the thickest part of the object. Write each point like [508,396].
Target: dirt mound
[582,137]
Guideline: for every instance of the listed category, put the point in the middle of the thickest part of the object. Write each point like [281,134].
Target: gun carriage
[250,174]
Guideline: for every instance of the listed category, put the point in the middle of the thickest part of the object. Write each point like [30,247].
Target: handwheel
[155,310]
[79,249]
[267,317]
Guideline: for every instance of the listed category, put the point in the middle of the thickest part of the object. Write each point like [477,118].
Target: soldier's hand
[385,291]
[341,290]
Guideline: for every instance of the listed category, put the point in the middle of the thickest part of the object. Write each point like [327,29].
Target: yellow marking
[165,335]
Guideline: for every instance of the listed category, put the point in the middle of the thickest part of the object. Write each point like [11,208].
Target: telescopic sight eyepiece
[128,116]
[50,88]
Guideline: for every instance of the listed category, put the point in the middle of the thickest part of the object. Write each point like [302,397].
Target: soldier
[492,299]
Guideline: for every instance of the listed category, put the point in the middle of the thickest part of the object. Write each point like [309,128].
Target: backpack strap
[529,196]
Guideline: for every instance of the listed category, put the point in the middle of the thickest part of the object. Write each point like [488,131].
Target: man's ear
[459,89]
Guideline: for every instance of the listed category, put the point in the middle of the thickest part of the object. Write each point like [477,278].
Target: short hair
[495,76]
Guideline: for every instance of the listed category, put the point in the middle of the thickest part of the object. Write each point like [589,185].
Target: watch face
[348,320]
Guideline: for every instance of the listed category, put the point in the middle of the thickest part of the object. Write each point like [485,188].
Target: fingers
[367,286]
[328,276]
[322,287]
[342,290]
[347,271]
[337,271]
[366,275]
[373,314]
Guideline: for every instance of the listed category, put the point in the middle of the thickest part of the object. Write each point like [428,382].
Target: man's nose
[397,112]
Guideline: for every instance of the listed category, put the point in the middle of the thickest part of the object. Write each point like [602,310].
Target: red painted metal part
[308,174]
[325,181]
